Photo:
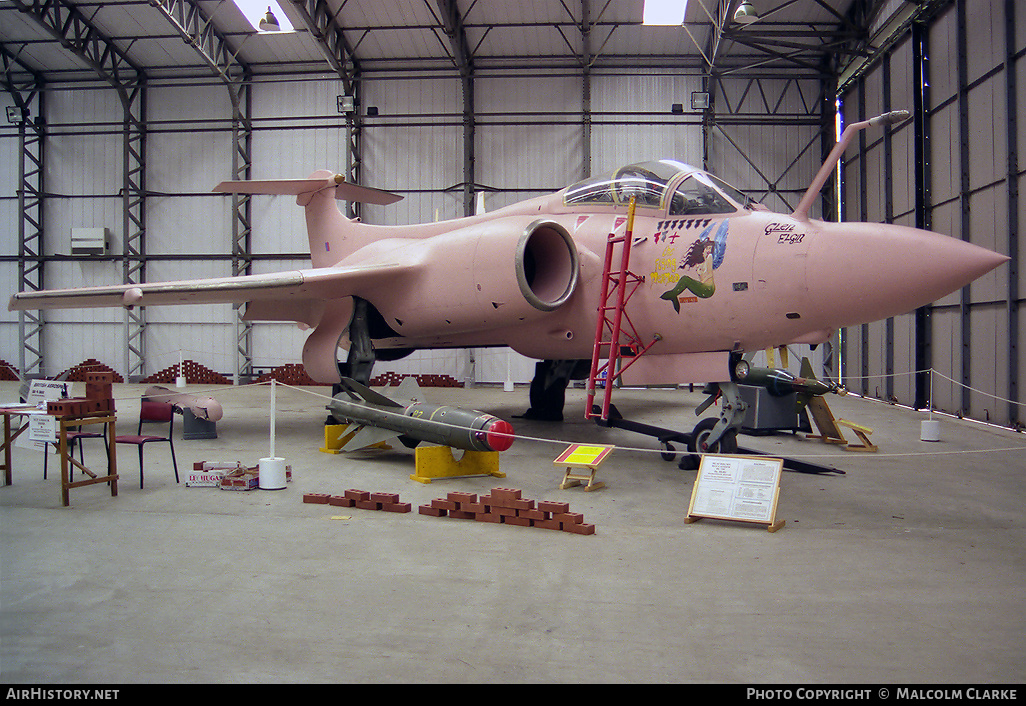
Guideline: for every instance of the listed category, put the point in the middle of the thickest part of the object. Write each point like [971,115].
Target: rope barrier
[563,443]
[642,450]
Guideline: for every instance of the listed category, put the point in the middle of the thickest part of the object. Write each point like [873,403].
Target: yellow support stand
[335,435]
[824,418]
[861,432]
[438,462]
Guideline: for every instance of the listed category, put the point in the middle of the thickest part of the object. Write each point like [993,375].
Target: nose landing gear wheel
[726,444]
[700,444]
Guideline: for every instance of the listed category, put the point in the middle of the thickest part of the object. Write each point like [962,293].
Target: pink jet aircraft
[720,275]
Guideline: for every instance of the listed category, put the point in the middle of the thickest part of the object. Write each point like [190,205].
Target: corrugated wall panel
[988,359]
[440,362]
[947,351]
[1021,217]
[943,43]
[10,340]
[772,160]
[903,164]
[414,147]
[904,357]
[277,344]
[988,127]
[633,121]
[985,28]
[530,133]
[508,157]
[208,342]
[988,222]
[968,200]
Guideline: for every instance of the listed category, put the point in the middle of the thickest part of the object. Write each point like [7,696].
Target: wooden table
[9,411]
[64,424]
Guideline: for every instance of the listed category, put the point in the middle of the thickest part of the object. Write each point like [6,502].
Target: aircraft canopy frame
[663,184]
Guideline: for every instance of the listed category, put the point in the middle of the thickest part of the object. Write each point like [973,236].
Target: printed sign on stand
[740,488]
[43,428]
[41,392]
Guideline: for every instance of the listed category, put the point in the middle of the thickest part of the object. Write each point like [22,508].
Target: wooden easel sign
[740,488]
[588,457]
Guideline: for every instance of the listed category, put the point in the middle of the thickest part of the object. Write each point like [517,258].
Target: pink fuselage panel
[743,281]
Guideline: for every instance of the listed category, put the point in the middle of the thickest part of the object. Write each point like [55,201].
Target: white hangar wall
[963,182]
[530,138]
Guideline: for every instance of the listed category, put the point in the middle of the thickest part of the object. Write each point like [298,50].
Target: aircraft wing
[319,283]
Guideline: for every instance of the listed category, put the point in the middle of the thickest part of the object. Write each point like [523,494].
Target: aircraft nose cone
[881,271]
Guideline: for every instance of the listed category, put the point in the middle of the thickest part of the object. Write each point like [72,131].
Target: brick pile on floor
[289,374]
[78,373]
[501,506]
[8,372]
[361,499]
[390,378]
[192,372]
[506,506]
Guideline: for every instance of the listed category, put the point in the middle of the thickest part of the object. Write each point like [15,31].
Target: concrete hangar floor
[906,565]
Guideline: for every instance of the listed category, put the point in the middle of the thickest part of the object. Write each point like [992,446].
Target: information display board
[741,488]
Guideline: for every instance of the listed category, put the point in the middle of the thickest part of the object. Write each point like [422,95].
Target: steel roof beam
[322,24]
[199,32]
[451,21]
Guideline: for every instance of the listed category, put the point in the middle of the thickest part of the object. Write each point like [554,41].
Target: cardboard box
[242,479]
[209,474]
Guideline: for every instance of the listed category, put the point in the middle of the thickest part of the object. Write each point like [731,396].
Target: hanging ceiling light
[745,14]
[265,17]
[269,23]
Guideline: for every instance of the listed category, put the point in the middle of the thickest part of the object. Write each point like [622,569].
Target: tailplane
[319,181]
[317,194]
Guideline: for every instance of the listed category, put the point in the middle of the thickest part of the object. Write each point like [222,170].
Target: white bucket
[929,430]
[272,473]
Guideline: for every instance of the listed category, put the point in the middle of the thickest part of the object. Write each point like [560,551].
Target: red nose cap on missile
[499,435]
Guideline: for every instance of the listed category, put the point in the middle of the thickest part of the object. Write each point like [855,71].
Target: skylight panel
[256,12]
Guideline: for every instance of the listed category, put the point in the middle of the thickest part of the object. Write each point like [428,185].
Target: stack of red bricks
[8,371]
[422,380]
[99,398]
[506,506]
[289,374]
[361,499]
[192,372]
[78,373]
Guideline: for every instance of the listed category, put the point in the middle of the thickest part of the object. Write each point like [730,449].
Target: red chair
[152,412]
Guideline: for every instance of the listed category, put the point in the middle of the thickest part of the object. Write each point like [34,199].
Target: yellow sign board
[583,455]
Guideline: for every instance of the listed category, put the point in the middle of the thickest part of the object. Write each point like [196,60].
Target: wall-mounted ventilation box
[88,241]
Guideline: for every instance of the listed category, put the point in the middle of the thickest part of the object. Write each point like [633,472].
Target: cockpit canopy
[650,183]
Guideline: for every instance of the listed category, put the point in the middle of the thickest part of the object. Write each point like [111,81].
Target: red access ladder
[612,337]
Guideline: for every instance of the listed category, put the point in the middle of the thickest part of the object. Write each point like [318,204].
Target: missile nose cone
[876,271]
[499,435]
